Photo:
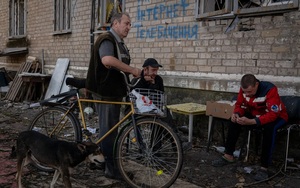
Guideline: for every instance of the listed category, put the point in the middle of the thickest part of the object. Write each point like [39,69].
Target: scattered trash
[248,170]
[183,129]
[88,110]
[187,146]
[241,179]
[236,153]
[92,130]
[221,149]
[25,106]
[239,185]
[33,105]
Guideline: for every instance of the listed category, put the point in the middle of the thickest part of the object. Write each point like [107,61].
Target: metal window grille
[263,7]
[275,2]
[213,9]
[223,9]
[105,9]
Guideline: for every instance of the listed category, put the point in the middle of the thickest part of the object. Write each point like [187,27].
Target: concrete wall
[195,54]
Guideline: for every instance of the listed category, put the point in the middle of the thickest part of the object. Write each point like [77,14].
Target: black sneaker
[115,176]
[261,175]
[118,176]
[111,172]
[221,162]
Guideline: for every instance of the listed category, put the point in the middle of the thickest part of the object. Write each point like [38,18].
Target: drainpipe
[92,27]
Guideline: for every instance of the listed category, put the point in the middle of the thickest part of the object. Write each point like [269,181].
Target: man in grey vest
[104,79]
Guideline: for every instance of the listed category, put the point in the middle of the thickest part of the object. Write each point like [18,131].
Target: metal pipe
[92,27]
[42,62]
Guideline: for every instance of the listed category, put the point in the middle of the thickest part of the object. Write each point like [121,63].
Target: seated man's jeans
[268,132]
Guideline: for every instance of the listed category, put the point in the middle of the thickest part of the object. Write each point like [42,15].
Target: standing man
[103,78]
[258,105]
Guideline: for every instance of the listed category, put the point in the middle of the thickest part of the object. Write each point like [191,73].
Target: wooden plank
[58,77]
[14,82]
[18,88]
[16,91]
[17,81]
[31,85]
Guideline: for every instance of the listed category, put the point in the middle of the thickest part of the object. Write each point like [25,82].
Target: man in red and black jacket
[258,105]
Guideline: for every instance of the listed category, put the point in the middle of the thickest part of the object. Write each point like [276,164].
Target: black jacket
[158,83]
[101,80]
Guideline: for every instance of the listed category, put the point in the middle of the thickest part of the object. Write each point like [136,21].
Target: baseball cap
[151,62]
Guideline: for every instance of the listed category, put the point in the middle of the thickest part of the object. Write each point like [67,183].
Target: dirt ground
[197,169]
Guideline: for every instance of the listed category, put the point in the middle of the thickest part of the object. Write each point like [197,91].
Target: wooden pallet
[15,90]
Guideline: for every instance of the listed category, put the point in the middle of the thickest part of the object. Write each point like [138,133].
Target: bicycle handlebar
[80,82]
[76,82]
[129,85]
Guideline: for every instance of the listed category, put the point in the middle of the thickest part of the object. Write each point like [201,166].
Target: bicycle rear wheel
[55,123]
[158,162]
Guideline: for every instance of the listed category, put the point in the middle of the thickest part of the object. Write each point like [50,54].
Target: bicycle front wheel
[56,123]
[151,158]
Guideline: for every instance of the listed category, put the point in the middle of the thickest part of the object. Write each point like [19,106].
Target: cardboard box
[220,109]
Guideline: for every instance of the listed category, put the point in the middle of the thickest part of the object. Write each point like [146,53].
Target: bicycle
[148,152]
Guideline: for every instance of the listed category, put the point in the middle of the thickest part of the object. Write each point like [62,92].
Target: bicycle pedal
[87,132]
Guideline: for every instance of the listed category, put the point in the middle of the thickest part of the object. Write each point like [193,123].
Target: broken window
[263,7]
[62,16]
[210,9]
[105,10]
[275,2]
[222,9]
[17,18]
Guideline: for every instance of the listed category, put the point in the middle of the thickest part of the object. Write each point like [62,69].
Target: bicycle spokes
[156,165]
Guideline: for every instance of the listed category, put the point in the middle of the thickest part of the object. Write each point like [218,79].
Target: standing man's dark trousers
[109,115]
[268,140]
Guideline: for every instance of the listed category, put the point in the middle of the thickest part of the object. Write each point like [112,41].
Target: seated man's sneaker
[222,162]
[261,174]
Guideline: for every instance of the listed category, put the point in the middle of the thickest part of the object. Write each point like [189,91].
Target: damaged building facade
[203,45]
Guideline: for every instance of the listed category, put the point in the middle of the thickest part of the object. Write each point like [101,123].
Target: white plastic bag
[144,104]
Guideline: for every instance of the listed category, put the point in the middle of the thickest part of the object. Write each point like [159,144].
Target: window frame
[15,19]
[102,23]
[201,12]
[232,8]
[268,7]
[62,24]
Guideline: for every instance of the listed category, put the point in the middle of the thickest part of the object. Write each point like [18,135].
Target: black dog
[58,154]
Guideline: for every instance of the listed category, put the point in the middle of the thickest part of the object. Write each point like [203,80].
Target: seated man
[258,105]
[149,77]
[151,80]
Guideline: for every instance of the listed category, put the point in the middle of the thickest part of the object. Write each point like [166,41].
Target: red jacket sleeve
[238,109]
[273,107]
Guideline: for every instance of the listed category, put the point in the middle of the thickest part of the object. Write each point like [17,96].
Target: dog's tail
[13,153]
